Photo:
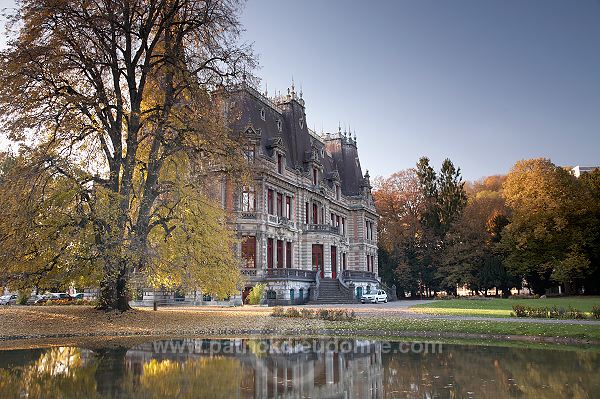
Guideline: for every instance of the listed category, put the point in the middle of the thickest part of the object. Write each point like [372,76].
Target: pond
[298,368]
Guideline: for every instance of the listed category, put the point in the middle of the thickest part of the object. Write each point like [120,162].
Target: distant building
[579,170]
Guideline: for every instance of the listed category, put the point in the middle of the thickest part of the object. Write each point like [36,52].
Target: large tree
[445,199]
[417,207]
[109,93]
[399,203]
[551,228]
[470,255]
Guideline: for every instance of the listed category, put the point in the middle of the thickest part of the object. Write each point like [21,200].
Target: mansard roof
[281,122]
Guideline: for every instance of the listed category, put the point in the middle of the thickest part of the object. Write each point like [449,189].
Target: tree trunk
[113,293]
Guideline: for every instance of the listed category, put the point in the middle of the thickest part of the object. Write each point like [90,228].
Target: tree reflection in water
[284,368]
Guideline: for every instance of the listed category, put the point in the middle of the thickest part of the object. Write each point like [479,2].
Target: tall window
[344,261]
[288,207]
[270,253]
[368,263]
[279,253]
[332,219]
[288,254]
[343,232]
[249,154]
[279,204]
[315,214]
[307,213]
[280,164]
[248,199]
[337,192]
[270,201]
[249,251]
[315,176]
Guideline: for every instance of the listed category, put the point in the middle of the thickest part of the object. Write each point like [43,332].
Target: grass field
[475,327]
[37,322]
[497,307]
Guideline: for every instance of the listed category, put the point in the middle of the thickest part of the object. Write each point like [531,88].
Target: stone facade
[309,213]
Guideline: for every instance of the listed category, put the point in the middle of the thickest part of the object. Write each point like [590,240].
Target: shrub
[520,310]
[557,313]
[576,314]
[323,314]
[278,312]
[596,312]
[22,298]
[256,294]
[540,313]
[292,312]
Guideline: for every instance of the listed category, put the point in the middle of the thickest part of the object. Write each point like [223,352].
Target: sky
[482,82]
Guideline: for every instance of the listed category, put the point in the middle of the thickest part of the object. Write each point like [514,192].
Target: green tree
[108,93]
[445,199]
[549,227]
[417,207]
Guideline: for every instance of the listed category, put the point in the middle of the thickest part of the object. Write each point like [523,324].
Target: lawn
[474,327]
[497,307]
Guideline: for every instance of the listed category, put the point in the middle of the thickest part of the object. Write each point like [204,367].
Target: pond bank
[19,324]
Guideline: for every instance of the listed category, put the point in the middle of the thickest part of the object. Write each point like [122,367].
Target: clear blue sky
[483,82]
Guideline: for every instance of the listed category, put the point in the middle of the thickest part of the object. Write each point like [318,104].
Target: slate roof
[337,154]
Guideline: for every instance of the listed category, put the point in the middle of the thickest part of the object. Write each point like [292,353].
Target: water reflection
[298,368]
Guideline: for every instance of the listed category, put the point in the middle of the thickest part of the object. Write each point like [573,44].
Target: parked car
[33,299]
[8,299]
[377,296]
[55,296]
[77,296]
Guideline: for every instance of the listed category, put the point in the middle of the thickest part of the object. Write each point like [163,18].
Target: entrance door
[317,258]
[333,262]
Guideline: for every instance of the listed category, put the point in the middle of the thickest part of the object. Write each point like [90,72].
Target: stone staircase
[331,292]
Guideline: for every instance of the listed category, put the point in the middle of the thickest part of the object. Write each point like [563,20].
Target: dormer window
[262,114]
[280,164]
[301,121]
[279,124]
[249,153]
[315,176]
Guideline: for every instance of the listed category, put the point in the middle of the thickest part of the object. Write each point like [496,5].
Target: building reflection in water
[281,368]
[302,368]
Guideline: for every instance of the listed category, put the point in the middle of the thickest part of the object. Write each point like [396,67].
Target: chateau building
[308,224]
